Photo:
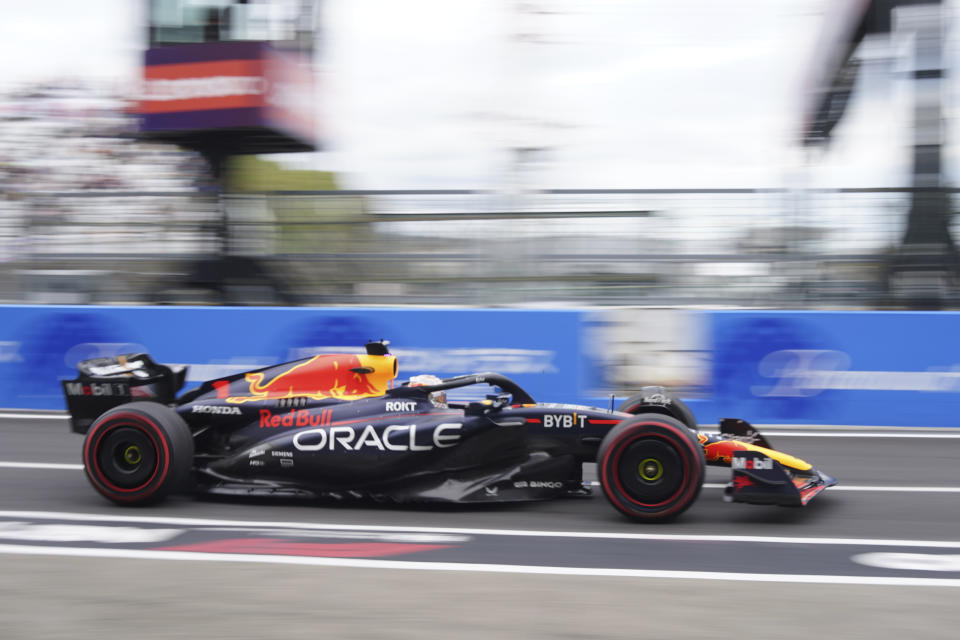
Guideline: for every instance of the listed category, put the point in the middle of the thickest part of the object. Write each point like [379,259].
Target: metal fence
[744,247]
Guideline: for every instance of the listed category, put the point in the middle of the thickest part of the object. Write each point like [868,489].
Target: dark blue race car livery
[338,426]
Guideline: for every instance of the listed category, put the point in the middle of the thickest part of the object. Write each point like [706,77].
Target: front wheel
[677,408]
[651,467]
[138,453]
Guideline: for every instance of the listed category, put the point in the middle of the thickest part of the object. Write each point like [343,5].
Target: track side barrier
[871,368]
[769,367]
[41,345]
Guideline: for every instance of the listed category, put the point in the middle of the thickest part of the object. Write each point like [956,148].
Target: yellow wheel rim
[650,470]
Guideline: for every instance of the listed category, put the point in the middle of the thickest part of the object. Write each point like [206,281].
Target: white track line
[13,415]
[706,485]
[202,522]
[40,465]
[844,487]
[855,434]
[896,489]
[473,567]
[851,487]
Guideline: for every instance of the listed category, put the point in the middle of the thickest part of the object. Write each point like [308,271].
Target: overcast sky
[616,93]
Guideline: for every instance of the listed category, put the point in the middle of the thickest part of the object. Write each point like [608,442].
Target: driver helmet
[438,398]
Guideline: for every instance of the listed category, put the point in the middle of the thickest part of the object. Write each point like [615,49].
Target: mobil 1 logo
[96,389]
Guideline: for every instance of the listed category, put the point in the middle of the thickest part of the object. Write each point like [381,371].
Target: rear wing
[104,383]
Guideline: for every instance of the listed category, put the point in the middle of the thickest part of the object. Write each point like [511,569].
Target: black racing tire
[138,453]
[651,467]
[678,409]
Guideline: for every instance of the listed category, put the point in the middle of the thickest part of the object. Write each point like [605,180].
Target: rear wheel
[138,453]
[651,467]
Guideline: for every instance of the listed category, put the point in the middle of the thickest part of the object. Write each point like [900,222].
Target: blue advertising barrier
[40,345]
[768,367]
[844,368]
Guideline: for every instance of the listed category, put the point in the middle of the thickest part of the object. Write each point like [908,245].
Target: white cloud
[58,39]
[433,93]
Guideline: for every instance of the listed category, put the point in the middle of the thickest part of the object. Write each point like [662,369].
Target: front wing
[759,479]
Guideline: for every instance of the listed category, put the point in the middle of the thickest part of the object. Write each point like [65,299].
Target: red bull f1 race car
[339,426]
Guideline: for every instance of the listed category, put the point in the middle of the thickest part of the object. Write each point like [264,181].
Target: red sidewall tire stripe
[614,490]
[631,408]
[152,431]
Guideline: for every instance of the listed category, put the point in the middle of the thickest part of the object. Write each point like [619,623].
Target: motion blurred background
[790,154]
[748,201]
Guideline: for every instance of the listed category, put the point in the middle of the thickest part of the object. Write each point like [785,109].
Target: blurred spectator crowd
[89,213]
[71,137]
[60,140]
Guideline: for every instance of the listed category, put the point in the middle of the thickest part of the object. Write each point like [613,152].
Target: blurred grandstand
[70,174]
[92,215]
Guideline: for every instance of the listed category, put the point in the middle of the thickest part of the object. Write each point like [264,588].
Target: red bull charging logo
[345,377]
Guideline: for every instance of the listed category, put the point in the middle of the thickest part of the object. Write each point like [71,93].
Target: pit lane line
[41,465]
[852,434]
[592,535]
[381,564]
[55,466]
[483,568]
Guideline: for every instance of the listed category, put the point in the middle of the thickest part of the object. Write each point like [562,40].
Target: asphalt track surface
[877,556]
